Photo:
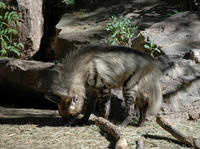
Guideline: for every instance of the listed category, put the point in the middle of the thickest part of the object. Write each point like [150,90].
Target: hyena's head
[69,107]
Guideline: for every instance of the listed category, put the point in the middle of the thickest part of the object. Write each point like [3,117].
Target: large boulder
[176,36]
[24,73]
[181,85]
[30,26]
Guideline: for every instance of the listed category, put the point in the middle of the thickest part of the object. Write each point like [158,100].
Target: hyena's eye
[75,99]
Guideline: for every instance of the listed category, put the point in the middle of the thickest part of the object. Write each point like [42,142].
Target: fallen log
[113,130]
[188,140]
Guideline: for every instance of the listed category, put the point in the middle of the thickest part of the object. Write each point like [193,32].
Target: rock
[30,26]
[177,35]
[71,35]
[181,85]
[193,115]
[195,55]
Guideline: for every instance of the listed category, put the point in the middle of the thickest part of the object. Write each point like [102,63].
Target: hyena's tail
[151,87]
[155,97]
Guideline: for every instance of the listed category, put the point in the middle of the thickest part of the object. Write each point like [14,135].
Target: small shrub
[121,30]
[9,44]
[152,48]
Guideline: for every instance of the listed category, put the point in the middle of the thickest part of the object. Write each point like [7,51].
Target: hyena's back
[116,64]
[135,72]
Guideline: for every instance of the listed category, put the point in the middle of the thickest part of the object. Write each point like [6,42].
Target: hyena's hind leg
[129,98]
[142,104]
[149,98]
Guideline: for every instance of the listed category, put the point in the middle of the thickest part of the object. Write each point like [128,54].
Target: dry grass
[31,128]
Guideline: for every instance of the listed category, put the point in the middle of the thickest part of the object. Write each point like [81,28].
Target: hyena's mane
[76,61]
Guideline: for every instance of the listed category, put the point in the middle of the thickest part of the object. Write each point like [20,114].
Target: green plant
[174,11]
[121,30]
[8,36]
[56,62]
[68,2]
[152,47]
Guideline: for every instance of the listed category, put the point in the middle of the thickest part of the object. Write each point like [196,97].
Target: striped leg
[129,98]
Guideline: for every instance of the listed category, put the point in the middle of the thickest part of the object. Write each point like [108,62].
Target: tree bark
[113,130]
[188,140]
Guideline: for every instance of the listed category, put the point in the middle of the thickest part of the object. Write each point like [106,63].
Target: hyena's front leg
[129,95]
[90,108]
[103,104]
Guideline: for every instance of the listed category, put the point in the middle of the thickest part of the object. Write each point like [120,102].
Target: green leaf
[158,50]
[6,15]
[5,31]
[147,46]
[3,52]
[2,5]
[21,45]
[6,37]
[15,50]
[175,11]
[152,44]
[15,44]
[8,47]
[12,31]
[13,17]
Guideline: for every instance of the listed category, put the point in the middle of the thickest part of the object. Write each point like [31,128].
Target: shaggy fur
[95,70]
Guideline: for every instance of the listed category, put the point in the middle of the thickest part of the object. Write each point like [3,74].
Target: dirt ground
[37,128]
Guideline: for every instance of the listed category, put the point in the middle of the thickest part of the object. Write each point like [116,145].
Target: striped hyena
[93,71]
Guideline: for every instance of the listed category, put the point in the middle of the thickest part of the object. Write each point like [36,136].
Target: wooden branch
[140,144]
[188,140]
[113,130]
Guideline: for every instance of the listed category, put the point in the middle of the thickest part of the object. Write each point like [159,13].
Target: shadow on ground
[39,121]
[164,138]
[39,117]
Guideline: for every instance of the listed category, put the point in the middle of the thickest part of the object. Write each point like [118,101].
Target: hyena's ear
[53,98]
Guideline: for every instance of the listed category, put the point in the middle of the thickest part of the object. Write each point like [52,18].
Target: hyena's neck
[77,86]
